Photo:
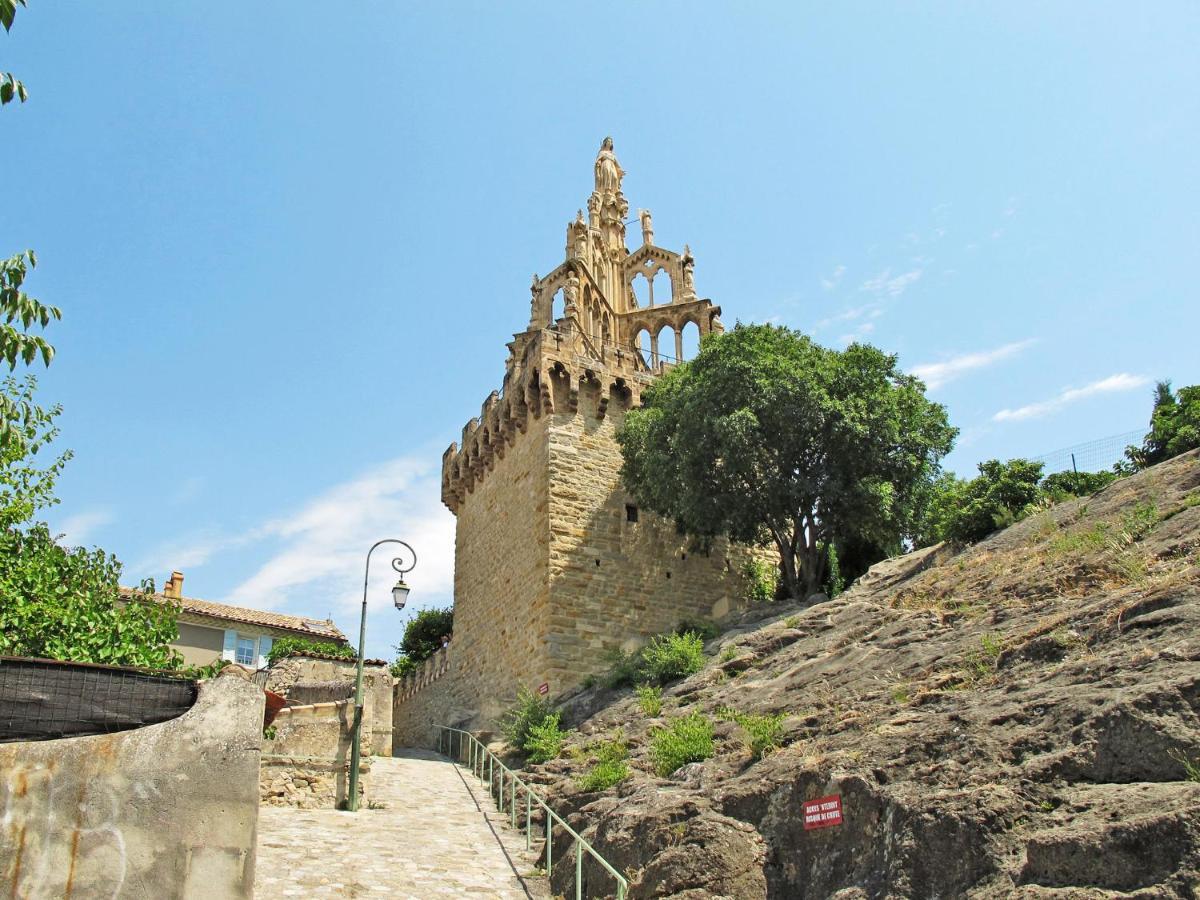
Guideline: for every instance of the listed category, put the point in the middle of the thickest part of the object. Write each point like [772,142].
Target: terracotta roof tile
[317,628]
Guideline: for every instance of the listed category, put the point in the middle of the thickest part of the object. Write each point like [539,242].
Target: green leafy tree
[423,636]
[769,438]
[1003,493]
[1174,426]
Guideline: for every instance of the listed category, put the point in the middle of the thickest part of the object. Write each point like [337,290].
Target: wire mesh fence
[1090,456]
[43,699]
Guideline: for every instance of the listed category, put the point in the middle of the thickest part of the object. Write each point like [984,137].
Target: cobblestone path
[435,837]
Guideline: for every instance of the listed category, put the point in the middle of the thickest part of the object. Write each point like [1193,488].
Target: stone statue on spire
[608,170]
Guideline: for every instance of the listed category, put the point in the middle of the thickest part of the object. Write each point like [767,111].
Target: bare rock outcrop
[1017,719]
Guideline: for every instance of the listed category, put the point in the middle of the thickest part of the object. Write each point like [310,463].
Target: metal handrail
[481,758]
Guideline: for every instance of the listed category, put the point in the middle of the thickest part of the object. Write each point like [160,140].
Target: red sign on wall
[544,688]
[823,812]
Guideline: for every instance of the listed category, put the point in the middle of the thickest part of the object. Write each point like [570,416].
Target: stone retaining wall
[307,783]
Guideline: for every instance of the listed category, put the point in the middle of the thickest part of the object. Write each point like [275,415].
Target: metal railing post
[500,798]
[578,869]
[528,816]
[512,802]
[549,842]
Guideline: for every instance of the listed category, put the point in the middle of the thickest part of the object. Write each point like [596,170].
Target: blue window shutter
[229,649]
[264,647]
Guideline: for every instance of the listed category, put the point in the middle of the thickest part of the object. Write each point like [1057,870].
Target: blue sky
[291,240]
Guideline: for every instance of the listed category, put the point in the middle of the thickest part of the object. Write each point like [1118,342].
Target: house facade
[211,631]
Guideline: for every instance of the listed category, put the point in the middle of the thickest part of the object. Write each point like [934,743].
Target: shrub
[672,656]
[294,646]
[1065,485]
[530,710]
[544,741]
[650,699]
[686,740]
[762,581]
[610,768]
[762,732]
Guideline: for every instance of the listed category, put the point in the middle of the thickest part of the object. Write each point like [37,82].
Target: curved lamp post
[399,597]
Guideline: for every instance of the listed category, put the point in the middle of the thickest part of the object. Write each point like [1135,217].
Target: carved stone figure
[571,292]
[689,282]
[581,239]
[535,290]
[608,170]
[647,226]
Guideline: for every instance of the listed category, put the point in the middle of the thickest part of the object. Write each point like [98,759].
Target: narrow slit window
[631,513]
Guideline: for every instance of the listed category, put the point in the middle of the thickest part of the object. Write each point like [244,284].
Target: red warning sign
[823,812]
[544,688]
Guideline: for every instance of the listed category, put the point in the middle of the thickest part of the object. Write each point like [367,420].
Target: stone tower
[555,566]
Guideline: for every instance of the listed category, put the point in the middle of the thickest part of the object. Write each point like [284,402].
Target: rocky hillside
[1017,719]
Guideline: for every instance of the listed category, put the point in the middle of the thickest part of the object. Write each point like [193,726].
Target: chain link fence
[1091,456]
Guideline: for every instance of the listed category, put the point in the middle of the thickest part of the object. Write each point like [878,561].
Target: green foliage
[834,584]
[705,628]
[19,314]
[1065,485]
[403,666]
[649,698]
[298,646]
[529,712]
[968,511]
[1174,426]
[763,733]
[768,437]
[611,766]
[1191,767]
[669,657]
[685,740]
[423,637]
[624,669]
[26,488]
[762,581]
[544,740]
[62,603]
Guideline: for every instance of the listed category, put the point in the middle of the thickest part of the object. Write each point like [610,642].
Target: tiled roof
[317,628]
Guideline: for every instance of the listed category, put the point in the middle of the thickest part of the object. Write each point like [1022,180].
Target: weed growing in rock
[792,621]
[672,656]
[545,740]
[706,628]
[649,697]
[686,740]
[728,652]
[762,733]
[1190,766]
[624,669]
[900,694]
[611,766]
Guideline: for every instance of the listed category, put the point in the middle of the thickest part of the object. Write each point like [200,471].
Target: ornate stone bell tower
[554,564]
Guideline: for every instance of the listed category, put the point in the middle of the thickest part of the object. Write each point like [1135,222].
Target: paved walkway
[432,839]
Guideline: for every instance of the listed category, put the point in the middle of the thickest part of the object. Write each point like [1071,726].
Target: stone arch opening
[691,340]
[557,306]
[662,288]
[641,290]
[666,345]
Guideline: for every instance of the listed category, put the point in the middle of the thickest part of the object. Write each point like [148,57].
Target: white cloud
[322,547]
[849,315]
[885,284]
[1113,383]
[832,281]
[77,528]
[940,373]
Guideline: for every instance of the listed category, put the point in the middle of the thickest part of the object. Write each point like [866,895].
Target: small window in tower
[631,513]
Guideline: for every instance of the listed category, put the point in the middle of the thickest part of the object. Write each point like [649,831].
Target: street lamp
[399,597]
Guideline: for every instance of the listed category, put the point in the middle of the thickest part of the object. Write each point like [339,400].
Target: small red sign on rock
[823,812]
[544,688]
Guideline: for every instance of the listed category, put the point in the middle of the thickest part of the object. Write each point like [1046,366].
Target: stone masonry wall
[428,697]
[501,577]
[292,677]
[165,811]
[614,582]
